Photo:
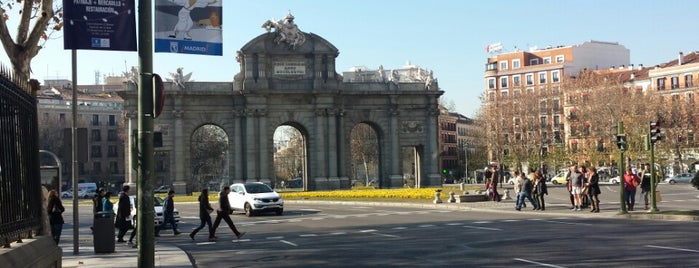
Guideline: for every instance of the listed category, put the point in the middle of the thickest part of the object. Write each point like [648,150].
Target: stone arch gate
[280,84]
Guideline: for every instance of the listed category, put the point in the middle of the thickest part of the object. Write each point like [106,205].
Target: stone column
[431,154]
[130,142]
[263,164]
[238,137]
[320,169]
[179,145]
[332,143]
[251,150]
[396,179]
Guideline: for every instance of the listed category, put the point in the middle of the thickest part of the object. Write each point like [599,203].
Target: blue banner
[99,24]
[189,26]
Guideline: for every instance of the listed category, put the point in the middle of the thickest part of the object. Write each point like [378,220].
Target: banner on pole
[189,26]
[100,25]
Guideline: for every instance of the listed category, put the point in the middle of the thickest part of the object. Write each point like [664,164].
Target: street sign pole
[621,143]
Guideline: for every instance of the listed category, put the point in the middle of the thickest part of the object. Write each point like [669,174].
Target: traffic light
[654,132]
[621,141]
[680,139]
[444,171]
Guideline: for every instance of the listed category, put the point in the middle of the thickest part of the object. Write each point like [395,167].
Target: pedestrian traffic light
[680,138]
[621,141]
[444,171]
[654,132]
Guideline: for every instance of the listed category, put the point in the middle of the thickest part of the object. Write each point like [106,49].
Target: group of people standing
[583,186]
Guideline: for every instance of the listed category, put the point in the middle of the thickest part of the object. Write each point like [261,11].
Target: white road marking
[481,222]
[241,240]
[338,233]
[308,235]
[205,243]
[455,224]
[671,248]
[569,223]
[511,220]
[367,231]
[400,228]
[483,228]
[538,263]
[426,225]
[387,235]
[288,243]
[339,216]
[275,237]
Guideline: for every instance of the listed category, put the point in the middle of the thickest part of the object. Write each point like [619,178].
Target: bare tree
[36,23]
[364,148]
[209,145]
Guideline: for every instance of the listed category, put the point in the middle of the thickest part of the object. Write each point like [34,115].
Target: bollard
[461,186]
[437,199]
[507,195]
[452,199]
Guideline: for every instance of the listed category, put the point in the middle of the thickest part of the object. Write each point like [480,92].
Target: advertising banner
[189,26]
[99,25]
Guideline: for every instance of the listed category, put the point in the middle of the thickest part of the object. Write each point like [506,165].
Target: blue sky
[446,36]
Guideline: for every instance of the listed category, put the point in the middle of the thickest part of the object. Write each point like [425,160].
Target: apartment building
[510,76]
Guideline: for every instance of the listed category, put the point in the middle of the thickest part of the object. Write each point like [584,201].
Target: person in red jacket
[631,181]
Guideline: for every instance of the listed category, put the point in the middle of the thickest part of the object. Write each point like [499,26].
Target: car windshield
[157,201]
[256,188]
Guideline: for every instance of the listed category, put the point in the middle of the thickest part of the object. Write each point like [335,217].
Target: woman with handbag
[204,210]
[55,210]
[593,189]
[631,181]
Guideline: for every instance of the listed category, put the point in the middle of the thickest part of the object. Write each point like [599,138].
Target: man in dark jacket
[123,217]
[224,213]
[525,192]
[168,214]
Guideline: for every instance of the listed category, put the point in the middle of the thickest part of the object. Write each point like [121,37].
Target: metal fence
[21,199]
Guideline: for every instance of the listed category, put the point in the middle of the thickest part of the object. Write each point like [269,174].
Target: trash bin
[103,233]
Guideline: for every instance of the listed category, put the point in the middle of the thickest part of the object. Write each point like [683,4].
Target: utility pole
[146,115]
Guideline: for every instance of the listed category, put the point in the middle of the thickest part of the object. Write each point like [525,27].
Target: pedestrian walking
[55,210]
[123,217]
[525,191]
[224,213]
[205,210]
[631,181]
[168,214]
[107,206]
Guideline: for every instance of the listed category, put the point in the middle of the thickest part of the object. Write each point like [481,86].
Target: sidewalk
[166,255]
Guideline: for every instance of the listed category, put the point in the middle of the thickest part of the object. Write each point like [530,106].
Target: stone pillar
[332,143]
[263,164]
[342,152]
[431,152]
[251,150]
[179,145]
[395,174]
[130,142]
[320,157]
[237,137]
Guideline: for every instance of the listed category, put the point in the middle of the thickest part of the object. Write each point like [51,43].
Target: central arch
[298,86]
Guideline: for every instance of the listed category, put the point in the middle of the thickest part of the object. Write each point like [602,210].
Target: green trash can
[103,233]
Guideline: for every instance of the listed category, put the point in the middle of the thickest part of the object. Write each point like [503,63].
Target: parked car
[87,193]
[560,178]
[615,180]
[158,205]
[681,178]
[162,189]
[67,194]
[255,197]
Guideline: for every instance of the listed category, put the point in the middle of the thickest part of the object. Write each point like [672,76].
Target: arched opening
[290,158]
[210,158]
[364,148]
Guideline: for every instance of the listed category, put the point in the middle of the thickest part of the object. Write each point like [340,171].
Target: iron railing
[21,199]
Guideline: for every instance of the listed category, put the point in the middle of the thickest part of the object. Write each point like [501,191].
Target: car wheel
[248,210]
[280,212]
[672,182]
[555,182]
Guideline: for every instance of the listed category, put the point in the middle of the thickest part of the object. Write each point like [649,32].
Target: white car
[615,180]
[255,197]
[67,194]
[157,201]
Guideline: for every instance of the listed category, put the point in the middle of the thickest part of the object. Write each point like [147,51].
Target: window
[112,120]
[515,64]
[491,66]
[560,58]
[503,65]
[96,136]
[491,83]
[544,121]
[547,60]
[557,105]
[530,79]
[95,120]
[542,105]
[112,151]
[661,83]
[62,118]
[542,78]
[112,135]
[516,80]
[491,97]
[674,82]
[503,82]
[689,96]
[688,80]
[96,167]
[96,151]
[533,61]
[114,167]
[555,76]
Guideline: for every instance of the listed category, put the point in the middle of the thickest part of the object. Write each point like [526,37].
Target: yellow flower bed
[402,193]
